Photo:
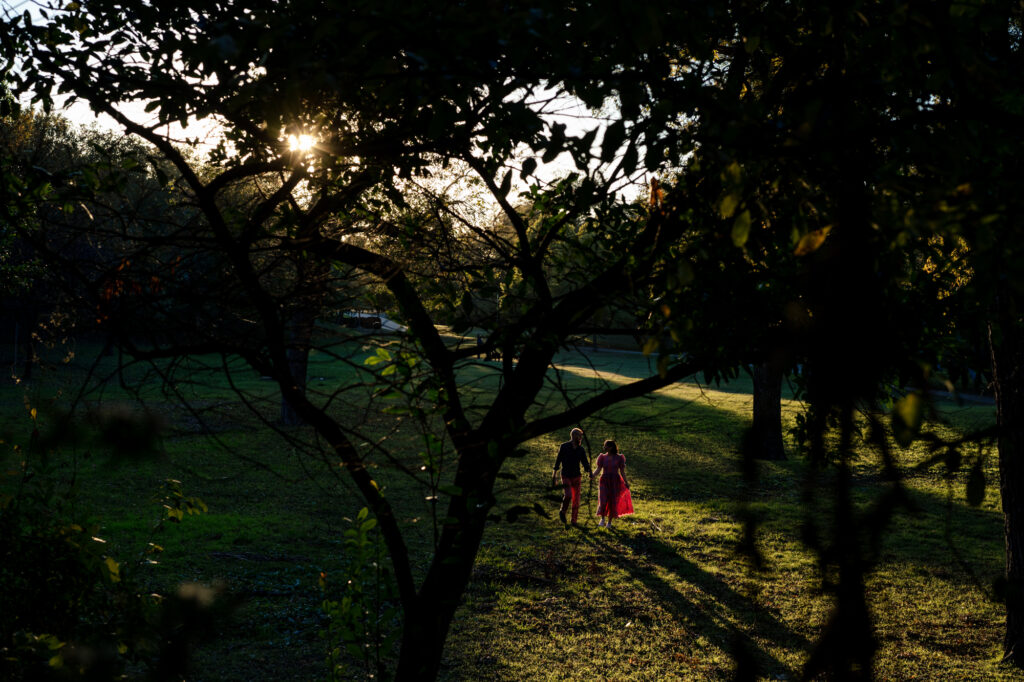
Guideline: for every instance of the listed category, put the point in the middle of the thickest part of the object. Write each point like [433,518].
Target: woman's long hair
[611,447]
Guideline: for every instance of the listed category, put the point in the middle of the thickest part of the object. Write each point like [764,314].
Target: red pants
[571,494]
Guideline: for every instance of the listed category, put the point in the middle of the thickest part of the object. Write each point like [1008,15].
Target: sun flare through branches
[300,143]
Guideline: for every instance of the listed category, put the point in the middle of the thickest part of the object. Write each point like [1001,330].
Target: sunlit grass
[664,596]
[669,596]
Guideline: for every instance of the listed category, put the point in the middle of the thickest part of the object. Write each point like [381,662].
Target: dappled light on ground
[667,594]
[664,595]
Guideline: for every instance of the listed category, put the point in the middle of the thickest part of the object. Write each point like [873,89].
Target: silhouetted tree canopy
[833,186]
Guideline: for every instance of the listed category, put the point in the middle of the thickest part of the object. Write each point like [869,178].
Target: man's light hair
[574,432]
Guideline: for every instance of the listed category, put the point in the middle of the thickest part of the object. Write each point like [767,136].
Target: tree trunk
[1008,379]
[300,338]
[425,627]
[766,431]
[426,624]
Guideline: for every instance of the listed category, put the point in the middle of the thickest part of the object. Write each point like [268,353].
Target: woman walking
[614,498]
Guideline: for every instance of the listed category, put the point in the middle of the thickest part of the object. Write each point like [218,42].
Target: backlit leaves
[812,241]
[907,416]
[728,205]
[741,229]
[113,569]
[614,136]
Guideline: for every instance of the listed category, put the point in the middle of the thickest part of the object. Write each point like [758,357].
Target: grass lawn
[664,595]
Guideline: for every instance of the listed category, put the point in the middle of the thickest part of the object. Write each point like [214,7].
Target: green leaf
[959,10]
[812,241]
[51,641]
[733,173]
[728,205]
[613,137]
[741,229]
[907,415]
[556,144]
[529,166]
[650,345]
[113,569]
[582,149]
[381,355]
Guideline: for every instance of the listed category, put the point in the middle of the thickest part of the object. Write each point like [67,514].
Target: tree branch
[576,414]
[246,170]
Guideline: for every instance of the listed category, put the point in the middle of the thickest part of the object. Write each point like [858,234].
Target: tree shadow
[701,615]
[694,457]
[709,438]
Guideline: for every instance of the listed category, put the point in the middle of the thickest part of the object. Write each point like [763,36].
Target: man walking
[570,456]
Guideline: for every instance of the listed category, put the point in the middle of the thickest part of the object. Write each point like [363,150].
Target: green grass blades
[666,594]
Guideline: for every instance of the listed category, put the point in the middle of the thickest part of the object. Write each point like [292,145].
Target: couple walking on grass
[614,499]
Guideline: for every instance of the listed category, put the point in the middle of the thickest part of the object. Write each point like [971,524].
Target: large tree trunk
[1008,378]
[766,431]
[426,624]
[300,339]
[304,307]
[425,627]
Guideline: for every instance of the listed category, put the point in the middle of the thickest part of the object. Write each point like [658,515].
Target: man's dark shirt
[569,459]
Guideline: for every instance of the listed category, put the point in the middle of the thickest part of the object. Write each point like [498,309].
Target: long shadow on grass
[699,462]
[692,457]
[701,616]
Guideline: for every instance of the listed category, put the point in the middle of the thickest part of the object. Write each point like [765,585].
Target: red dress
[615,498]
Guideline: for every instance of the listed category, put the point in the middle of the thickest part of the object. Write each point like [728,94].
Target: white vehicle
[358,319]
